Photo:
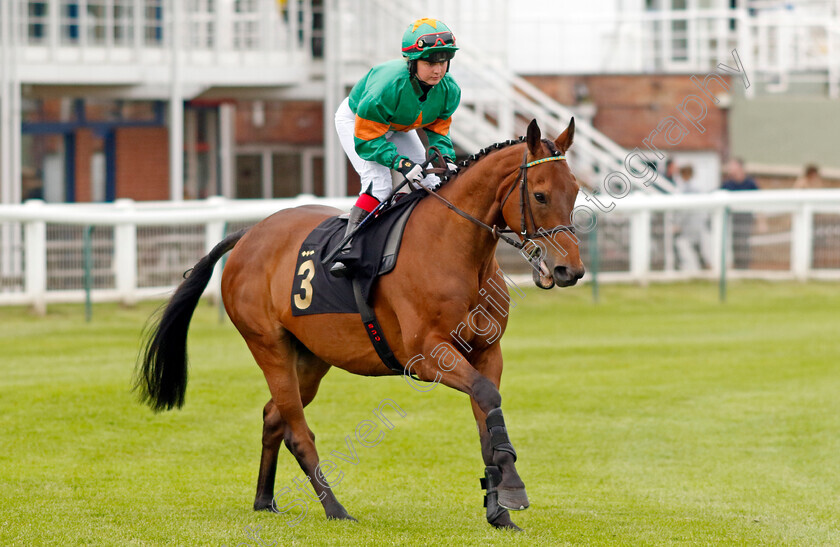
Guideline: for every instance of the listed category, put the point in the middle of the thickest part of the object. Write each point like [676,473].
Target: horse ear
[533,137]
[564,141]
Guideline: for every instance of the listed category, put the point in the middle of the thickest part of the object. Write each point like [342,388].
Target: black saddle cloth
[315,291]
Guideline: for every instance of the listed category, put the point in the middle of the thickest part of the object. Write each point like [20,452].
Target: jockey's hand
[450,166]
[410,170]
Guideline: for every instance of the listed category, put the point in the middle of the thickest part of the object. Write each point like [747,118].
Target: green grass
[658,416]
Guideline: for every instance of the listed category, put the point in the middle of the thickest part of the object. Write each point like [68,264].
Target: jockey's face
[431,73]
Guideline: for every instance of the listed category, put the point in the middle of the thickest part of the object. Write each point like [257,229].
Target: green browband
[537,162]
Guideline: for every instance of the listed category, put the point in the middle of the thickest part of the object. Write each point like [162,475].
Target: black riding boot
[357,214]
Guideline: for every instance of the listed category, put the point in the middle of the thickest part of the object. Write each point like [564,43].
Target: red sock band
[367,202]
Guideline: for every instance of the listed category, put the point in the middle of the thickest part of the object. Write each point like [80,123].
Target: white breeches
[373,174]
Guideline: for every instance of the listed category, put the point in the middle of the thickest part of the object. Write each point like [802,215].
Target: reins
[525,204]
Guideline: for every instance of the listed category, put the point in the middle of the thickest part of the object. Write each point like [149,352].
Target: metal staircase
[497,104]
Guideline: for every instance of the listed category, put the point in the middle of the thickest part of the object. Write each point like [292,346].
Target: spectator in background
[670,169]
[810,179]
[736,177]
[742,223]
[692,242]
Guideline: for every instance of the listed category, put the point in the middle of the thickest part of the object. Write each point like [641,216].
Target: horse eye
[540,197]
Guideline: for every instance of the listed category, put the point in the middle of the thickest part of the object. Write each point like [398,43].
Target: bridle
[525,207]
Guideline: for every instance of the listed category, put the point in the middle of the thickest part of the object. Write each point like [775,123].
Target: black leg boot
[357,214]
[497,516]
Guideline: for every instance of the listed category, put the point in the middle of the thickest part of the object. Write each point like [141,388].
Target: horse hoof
[345,516]
[513,500]
[504,523]
[338,512]
[509,526]
[266,507]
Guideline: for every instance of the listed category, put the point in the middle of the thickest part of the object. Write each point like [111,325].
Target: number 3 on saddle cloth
[373,253]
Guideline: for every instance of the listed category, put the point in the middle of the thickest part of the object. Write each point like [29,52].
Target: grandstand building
[179,100]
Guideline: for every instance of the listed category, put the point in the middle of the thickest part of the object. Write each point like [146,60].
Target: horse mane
[473,158]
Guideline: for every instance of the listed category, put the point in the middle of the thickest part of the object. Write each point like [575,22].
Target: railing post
[718,238]
[125,254]
[668,239]
[35,254]
[640,245]
[87,261]
[802,233]
[724,255]
[594,262]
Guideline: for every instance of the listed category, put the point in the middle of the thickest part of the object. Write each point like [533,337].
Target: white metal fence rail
[132,251]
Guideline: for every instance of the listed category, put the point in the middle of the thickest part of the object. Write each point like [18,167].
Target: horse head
[542,210]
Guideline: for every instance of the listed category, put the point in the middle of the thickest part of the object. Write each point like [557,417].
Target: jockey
[377,123]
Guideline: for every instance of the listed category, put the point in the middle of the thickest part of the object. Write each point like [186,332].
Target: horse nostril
[564,276]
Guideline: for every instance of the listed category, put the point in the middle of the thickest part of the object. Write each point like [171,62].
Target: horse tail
[161,374]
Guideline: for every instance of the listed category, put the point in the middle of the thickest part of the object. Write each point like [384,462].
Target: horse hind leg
[273,434]
[273,428]
[310,371]
[293,375]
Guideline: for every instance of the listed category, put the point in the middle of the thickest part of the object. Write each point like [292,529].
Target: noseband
[525,206]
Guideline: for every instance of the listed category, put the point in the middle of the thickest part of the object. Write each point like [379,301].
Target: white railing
[129,251]
[771,234]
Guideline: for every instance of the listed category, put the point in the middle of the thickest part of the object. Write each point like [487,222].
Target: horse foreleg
[451,368]
[497,466]
[497,515]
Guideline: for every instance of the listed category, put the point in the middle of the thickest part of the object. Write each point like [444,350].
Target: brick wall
[142,163]
[629,107]
[85,147]
[287,122]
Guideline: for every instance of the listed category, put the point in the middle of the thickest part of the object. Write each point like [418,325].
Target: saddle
[373,254]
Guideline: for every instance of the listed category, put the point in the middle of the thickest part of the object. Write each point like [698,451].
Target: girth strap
[374,331]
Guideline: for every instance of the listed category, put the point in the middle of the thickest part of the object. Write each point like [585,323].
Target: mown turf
[658,416]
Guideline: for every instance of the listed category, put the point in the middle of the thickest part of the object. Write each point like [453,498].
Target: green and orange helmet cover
[428,39]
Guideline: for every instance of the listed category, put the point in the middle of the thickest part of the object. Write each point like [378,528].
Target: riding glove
[410,170]
[450,166]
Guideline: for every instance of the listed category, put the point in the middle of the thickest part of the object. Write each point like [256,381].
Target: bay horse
[447,260]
